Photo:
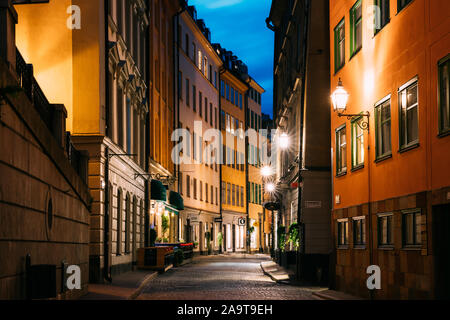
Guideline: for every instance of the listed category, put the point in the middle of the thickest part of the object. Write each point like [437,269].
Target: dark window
[385,230]
[359,231]
[356,28]
[242,196]
[444,95]
[382,14]
[195,188]
[383,129]
[194,98]
[402,3]
[200,103]
[409,115]
[228,193]
[411,228]
[339,46]
[188,98]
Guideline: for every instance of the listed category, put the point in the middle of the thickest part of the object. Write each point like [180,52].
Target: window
[200,60]
[385,230]
[187,44]
[206,110]
[180,85]
[409,115]
[356,28]
[188,186]
[206,192]
[233,195]
[357,144]
[341,151]
[411,227]
[194,53]
[201,191]
[224,193]
[232,95]
[240,101]
[359,231]
[237,196]
[212,195]
[181,183]
[194,98]
[211,114]
[200,102]
[217,197]
[228,91]
[342,228]
[242,196]
[382,14]
[188,98]
[444,95]
[228,193]
[383,128]
[195,188]
[402,3]
[339,46]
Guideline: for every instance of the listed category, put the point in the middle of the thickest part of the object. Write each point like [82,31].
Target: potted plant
[165,226]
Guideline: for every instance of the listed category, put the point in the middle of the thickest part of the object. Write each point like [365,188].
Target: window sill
[355,53]
[341,174]
[384,157]
[381,29]
[386,247]
[359,167]
[409,147]
[412,247]
[342,247]
[444,133]
[360,247]
[339,69]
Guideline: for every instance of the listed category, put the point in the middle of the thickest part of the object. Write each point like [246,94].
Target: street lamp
[266,171]
[340,99]
[270,187]
[283,141]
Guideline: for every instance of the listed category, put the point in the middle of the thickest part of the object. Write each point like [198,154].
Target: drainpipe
[301,249]
[176,118]
[106,233]
[147,138]
[221,71]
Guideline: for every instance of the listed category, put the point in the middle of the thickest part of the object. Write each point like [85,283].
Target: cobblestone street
[222,278]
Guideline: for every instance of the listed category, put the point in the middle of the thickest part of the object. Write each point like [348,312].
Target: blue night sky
[239,26]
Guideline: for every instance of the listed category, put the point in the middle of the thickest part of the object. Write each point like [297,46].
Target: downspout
[176,118]
[147,135]
[221,71]
[106,233]
[301,249]
[246,171]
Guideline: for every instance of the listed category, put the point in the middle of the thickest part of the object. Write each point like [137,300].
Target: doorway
[441,251]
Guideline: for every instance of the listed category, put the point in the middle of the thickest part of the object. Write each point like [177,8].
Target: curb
[270,275]
[324,296]
[142,285]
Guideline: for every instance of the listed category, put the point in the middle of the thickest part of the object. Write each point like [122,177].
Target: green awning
[158,191]
[176,200]
[171,209]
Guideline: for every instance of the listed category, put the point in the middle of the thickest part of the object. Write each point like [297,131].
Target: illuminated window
[409,115]
[385,230]
[339,46]
[357,144]
[383,128]
[342,228]
[411,228]
[200,60]
[341,150]
[356,27]
[444,95]
[359,231]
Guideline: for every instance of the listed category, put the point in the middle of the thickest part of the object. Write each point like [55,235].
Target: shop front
[234,231]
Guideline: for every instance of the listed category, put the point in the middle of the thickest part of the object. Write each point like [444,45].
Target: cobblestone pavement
[222,278]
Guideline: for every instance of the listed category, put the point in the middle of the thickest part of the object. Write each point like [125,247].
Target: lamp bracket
[364,125]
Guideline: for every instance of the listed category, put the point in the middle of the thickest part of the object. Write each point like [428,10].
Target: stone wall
[43,202]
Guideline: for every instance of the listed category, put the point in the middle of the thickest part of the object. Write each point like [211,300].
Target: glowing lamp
[340,98]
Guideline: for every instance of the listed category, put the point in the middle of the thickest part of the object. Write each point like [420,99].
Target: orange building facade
[391,181]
